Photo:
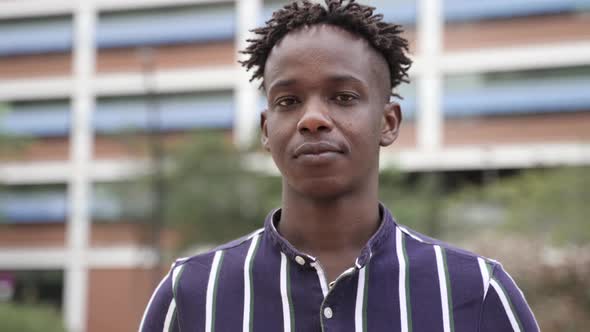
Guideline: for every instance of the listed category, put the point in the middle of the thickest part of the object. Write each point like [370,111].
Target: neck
[338,225]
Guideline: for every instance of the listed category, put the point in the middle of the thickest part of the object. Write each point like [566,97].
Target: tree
[414,201]
[536,224]
[211,196]
[551,204]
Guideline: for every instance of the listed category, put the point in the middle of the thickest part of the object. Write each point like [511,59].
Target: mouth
[310,149]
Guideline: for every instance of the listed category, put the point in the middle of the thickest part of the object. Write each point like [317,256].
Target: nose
[314,119]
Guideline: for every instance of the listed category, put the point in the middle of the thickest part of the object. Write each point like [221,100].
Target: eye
[286,101]
[346,98]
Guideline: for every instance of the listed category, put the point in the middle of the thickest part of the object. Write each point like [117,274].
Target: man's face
[328,111]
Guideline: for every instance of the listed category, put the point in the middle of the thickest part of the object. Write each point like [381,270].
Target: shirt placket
[326,312]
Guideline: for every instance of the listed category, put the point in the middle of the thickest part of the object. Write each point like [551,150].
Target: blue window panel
[52,207]
[400,12]
[42,119]
[469,10]
[176,113]
[408,107]
[46,207]
[520,98]
[169,26]
[114,115]
[35,36]
[404,15]
[405,12]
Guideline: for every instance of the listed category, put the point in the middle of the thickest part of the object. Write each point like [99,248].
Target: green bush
[26,318]
[551,204]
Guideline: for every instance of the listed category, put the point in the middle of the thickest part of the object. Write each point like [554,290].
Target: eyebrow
[346,78]
[338,78]
[282,84]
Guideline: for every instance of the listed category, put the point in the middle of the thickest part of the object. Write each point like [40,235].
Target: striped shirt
[402,281]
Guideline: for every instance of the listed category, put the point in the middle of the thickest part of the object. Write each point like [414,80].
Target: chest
[291,297]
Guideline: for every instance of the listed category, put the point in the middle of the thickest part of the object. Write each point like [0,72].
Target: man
[332,258]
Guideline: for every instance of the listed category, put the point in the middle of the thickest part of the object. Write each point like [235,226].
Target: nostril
[312,129]
[323,128]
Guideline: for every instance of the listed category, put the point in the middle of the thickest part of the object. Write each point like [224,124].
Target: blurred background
[128,137]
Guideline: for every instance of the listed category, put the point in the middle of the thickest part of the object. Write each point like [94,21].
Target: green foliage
[549,204]
[20,318]
[414,203]
[212,197]
[536,224]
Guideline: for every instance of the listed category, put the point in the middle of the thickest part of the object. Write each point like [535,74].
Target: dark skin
[328,115]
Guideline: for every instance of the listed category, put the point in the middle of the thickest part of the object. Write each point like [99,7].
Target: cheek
[277,138]
[366,131]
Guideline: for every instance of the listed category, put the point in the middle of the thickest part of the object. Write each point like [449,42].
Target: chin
[323,188]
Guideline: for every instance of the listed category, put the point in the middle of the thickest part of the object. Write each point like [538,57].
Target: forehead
[323,49]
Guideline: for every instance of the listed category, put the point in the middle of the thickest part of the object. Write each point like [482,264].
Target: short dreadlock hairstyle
[349,15]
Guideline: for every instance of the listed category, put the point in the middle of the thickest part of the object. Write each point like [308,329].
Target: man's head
[328,74]
[358,19]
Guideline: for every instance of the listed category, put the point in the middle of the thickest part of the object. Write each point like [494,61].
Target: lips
[317,148]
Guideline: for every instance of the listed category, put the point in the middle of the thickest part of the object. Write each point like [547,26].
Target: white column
[430,37]
[79,186]
[246,118]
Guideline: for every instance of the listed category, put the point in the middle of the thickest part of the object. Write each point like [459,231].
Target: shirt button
[328,312]
[300,260]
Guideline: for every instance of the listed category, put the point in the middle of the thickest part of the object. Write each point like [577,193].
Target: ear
[392,118]
[264,131]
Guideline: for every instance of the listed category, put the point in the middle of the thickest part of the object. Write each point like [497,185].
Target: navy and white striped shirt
[402,281]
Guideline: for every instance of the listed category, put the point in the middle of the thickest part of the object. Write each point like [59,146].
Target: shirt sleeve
[160,313]
[504,307]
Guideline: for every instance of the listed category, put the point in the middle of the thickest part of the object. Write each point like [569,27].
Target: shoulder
[202,263]
[471,280]
[422,249]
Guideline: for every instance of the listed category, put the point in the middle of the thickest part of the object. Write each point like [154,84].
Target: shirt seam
[406,232]
[224,247]
[483,302]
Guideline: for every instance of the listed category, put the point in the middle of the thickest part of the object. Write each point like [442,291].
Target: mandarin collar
[386,228]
